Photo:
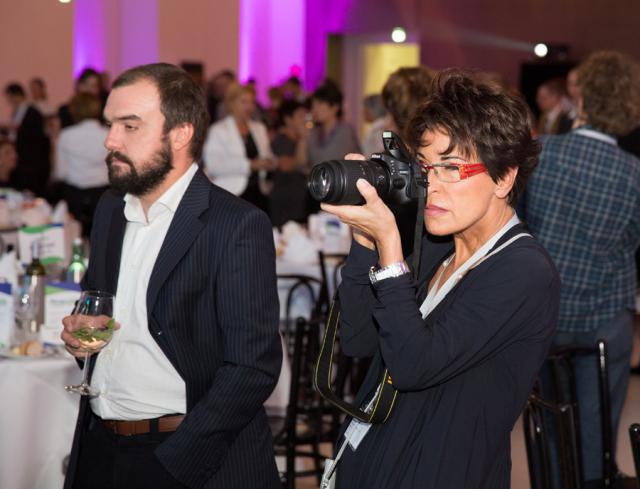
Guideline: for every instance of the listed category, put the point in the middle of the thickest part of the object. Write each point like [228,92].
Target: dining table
[38,419]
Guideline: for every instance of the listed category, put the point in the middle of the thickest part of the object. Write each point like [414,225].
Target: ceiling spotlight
[64,1]
[398,35]
[540,50]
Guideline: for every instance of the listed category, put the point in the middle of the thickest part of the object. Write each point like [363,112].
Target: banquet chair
[301,288]
[634,436]
[560,394]
[350,371]
[330,281]
[538,442]
[304,427]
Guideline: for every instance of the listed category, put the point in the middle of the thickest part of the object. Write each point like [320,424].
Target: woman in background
[237,154]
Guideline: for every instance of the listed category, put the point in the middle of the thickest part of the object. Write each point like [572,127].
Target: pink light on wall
[323,17]
[89,36]
[138,32]
[271,41]
[114,35]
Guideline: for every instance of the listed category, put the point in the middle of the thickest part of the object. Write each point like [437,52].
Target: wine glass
[92,337]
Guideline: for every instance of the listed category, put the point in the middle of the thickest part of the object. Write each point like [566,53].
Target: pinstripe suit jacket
[213,310]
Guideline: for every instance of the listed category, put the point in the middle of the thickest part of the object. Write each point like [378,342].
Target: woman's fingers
[368,191]
[354,156]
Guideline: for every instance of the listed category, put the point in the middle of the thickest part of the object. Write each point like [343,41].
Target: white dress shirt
[135,378]
[80,155]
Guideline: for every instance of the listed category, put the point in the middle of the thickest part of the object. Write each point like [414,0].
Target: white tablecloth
[37,421]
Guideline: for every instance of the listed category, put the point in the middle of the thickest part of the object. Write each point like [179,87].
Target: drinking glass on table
[26,308]
[94,311]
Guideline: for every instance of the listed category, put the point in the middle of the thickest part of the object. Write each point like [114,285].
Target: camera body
[394,174]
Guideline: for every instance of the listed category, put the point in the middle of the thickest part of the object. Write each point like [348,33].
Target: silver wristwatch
[393,270]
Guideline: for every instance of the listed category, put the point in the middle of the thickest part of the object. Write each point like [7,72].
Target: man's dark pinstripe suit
[213,310]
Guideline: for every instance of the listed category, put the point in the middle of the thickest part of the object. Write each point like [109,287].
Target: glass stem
[85,369]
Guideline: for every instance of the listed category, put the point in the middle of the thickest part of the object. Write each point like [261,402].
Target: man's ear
[506,182]
[180,137]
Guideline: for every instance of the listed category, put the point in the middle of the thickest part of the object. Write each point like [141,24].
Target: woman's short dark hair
[181,99]
[482,120]
[287,109]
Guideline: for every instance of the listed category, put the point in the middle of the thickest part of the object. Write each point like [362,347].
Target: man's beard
[140,183]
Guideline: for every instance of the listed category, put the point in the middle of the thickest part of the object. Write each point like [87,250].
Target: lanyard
[436,294]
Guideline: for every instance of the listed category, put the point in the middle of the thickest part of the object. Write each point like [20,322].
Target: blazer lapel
[183,230]
[115,238]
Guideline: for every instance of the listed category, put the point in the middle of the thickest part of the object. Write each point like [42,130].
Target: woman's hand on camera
[373,223]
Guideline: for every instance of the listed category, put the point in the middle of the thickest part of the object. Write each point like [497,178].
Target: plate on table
[12,353]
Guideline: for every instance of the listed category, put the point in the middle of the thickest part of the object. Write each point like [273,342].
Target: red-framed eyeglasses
[450,172]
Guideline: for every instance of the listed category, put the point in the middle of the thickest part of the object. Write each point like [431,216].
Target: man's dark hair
[287,109]
[181,99]
[86,74]
[15,89]
[556,86]
[38,81]
[482,120]
[294,80]
[329,93]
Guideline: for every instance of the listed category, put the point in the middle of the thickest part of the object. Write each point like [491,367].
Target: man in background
[583,204]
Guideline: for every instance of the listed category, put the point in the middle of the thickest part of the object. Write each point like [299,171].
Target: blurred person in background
[330,138]
[289,198]
[275,96]
[38,92]
[375,115]
[80,159]
[32,143]
[8,161]
[216,90]
[583,204]
[87,82]
[237,153]
[404,90]
[292,89]
[554,105]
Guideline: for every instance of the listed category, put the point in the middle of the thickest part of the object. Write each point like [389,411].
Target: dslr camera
[394,174]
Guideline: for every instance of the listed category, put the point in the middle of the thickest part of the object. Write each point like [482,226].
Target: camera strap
[385,396]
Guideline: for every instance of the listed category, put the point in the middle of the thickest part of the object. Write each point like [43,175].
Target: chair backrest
[329,280]
[562,367]
[538,442]
[634,436]
[301,299]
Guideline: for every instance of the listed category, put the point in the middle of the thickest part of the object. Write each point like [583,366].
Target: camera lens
[320,185]
[334,182]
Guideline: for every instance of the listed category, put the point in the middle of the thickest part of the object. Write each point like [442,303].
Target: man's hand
[79,321]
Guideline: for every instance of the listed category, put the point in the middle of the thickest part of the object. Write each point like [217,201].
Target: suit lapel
[115,238]
[183,230]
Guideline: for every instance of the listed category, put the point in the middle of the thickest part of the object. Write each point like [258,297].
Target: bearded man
[192,267]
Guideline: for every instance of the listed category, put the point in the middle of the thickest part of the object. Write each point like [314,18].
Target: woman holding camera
[463,346]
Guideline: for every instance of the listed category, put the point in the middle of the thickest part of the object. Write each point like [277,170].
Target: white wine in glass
[95,335]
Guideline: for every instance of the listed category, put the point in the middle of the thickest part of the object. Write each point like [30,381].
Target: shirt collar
[168,201]
[20,112]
